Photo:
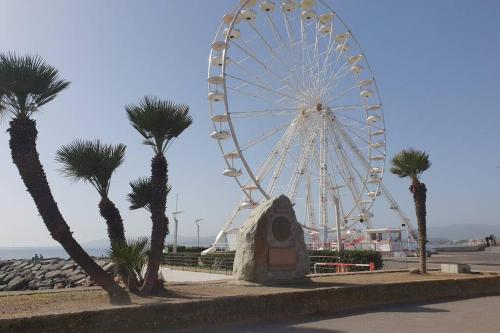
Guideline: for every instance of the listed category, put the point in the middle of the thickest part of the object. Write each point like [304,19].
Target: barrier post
[372,266]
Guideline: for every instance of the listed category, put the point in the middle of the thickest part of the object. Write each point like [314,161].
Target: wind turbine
[177,212]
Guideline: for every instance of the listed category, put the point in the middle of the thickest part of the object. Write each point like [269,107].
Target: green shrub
[184,249]
[346,257]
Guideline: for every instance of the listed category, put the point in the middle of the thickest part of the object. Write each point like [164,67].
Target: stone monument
[271,247]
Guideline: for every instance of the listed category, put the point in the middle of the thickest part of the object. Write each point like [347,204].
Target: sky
[435,62]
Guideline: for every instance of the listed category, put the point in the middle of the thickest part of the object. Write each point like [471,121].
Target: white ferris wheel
[296,111]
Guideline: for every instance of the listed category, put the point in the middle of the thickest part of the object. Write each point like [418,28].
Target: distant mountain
[447,232]
[462,231]
[181,240]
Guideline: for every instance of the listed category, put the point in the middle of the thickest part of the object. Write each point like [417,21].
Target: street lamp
[197,221]
[177,212]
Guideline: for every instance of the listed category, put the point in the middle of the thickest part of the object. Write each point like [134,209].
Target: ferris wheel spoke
[349,162]
[264,113]
[335,81]
[282,159]
[349,168]
[282,143]
[363,122]
[362,157]
[258,76]
[293,47]
[265,136]
[268,46]
[337,59]
[341,94]
[306,59]
[291,56]
[264,66]
[347,180]
[302,162]
[281,102]
[246,82]
[349,129]
[353,107]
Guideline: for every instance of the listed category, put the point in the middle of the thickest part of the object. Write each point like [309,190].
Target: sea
[47,252]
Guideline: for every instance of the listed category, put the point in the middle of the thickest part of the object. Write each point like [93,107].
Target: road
[472,315]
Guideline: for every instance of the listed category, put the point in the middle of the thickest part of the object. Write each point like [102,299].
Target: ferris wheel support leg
[322,176]
[338,220]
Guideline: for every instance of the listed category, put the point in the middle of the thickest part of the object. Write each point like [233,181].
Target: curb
[325,301]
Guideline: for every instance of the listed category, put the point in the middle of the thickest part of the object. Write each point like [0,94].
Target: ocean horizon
[7,253]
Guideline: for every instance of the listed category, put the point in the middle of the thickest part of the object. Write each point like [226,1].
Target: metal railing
[215,264]
[223,263]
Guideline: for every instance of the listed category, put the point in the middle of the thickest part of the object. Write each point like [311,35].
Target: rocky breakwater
[46,274]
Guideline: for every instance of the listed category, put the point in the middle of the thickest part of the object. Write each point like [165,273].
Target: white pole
[176,223]
[197,221]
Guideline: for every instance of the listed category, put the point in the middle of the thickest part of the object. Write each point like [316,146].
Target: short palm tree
[27,83]
[159,122]
[95,163]
[411,164]
[131,257]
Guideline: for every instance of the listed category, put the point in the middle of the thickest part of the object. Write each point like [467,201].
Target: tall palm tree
[95,163]
[27,83]
[159,122]
[411,164]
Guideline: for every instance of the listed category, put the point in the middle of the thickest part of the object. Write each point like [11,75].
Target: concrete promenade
[488,260]
[463,316]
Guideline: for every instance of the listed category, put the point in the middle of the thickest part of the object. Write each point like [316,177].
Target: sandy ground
[19,304]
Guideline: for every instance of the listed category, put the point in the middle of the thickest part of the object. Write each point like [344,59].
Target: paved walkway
[172,275]
[473,315]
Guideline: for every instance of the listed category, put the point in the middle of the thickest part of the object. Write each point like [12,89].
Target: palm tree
[95,163]
[140,197]
[411,164]
[27,83]
[159,122]
[131,257]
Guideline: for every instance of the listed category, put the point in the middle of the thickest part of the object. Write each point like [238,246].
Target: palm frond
[140,196]
[91,161]
[132,256]
[158,121]
[410,163]
[27,83]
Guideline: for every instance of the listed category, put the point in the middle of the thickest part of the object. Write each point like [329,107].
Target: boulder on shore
[45,274]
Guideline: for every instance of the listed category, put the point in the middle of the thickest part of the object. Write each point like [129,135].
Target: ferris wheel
[296,111]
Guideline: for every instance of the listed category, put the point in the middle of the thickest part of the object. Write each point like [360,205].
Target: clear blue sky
[436,63]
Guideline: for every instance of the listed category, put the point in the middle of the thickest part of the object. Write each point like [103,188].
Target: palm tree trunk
[419,197]
[114,222]
[116,232]
[160,221]
[23,135]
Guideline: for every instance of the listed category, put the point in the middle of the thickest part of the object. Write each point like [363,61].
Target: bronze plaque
[281,228]
[282,258]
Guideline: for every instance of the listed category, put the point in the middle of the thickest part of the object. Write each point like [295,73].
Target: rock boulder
[271,247]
